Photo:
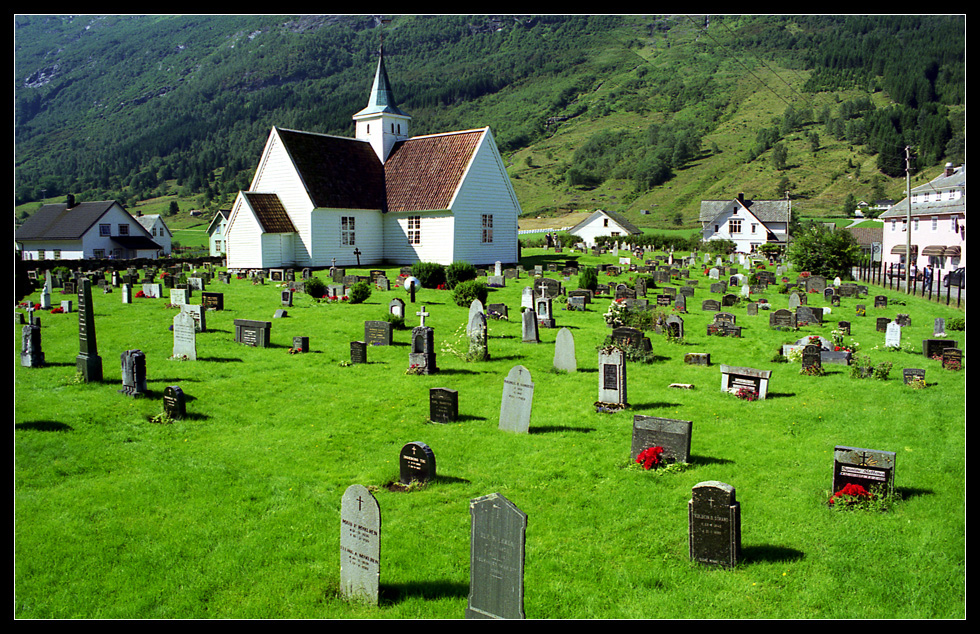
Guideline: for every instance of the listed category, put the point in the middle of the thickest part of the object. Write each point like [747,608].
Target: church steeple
[382,122]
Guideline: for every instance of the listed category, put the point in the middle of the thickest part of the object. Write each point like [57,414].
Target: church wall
[327,243]
[436,243]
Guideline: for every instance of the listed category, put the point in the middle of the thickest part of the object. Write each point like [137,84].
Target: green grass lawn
[233,512]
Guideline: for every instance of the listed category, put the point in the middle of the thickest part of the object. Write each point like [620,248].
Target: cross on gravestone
[870,468]
[357,253]
[360,545]
[416,463]
[715,524]
[497,538]
[422,315]
[174,402]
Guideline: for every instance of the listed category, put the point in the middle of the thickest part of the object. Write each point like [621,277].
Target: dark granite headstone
[673,435]
[443,405]
[715,523]
[913,374]
[174,402]
[416,463]
[253,333]
[497,536]
[870,468]
[377,333]
[88,362]
[358,352]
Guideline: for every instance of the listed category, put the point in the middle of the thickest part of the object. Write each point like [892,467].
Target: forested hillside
[624,112]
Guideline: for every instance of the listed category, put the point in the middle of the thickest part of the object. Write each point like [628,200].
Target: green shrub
[359,292]
[588,279]
[956,323]
[315,287]
[466,292]
[429,274]
[459,272]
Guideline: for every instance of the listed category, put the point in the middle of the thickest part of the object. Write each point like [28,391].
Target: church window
[347,231]
[734,226]
[487,236]
[415,229]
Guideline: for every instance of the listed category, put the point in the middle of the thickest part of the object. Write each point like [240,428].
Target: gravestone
[476,332]
[377,333]
[31,355]
[565,351]
[712,305]
[358,352]
[301,344]
[697,358]
[529,327]
[286,298]
[808,315]
[881,324]
[422,357]
[174,402]
[715,524]
[416,463]
[932,348]
[673,435]
[881,301]
[88,363]
[185,337]
[675,327]
[811,357]
[127,294]
[212,301]
[497,311]
[939,326]
[443,405]
[872,469]
[253,333]
[197,312]
[360,545]
[612,377]
[893,335]
[952,359]
[782,318]
[909,375]
[516,401]
[133,373]
[734,378]
[752,309]
[397,307]
[497,537]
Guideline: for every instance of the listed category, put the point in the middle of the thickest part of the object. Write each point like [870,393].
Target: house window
[57,254]
[98,253]
[605,222]
[754,227]
[105,230]
[487,235]
[935,222]
[347,231]
[124,230]
[915,225]
[734,226]
[415,229]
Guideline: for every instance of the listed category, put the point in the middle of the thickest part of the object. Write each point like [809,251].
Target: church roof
[270,212]
[339,173]
[424,173]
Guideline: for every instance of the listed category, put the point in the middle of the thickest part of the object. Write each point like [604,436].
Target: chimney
[70,202]
[949,170]
[741,197]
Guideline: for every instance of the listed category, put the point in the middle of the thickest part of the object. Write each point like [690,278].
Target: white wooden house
[603,223]
[216,232]
[383,196]
[158,230]
[81,231]
[747,223]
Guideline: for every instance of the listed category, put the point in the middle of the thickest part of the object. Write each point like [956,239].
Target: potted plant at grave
[650,457]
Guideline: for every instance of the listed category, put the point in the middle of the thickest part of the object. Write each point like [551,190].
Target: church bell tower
[382,123]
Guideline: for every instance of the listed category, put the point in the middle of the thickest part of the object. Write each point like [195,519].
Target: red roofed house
[383,196]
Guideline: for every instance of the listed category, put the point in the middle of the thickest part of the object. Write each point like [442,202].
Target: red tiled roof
[423,173]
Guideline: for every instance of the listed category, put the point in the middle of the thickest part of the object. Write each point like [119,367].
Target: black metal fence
[892,277]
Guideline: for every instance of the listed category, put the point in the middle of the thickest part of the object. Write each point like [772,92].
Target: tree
[779,155]
[823,251]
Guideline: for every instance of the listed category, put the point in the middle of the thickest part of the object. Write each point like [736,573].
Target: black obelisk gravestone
[88,361]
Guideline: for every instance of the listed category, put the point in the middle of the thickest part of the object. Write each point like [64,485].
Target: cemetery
[258,452]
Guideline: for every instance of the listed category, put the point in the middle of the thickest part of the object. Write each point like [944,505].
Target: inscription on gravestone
[673,435]
[360,545]
[416,463]
[715,524]
[174,402]
[870,468]
[497,536]
[443,405]
[515,403]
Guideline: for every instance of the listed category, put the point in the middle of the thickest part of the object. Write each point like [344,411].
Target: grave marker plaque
[673,435]
[497,535]
[416,463]
[377,333]
[174,402]
[715,524]
[253,333]
[515,403]
[443,405]
[360,545]
[870,468]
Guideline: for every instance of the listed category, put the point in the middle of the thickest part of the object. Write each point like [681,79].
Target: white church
[383,197]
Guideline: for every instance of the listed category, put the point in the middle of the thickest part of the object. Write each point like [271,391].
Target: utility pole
[908,218]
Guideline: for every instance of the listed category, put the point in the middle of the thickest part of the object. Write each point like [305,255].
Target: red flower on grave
[650,457]
[851,493]
[59,309]
[140,294]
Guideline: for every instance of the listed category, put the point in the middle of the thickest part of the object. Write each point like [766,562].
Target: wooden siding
[368,237]
[243,238]
[436,238]
[277,175]
[486,189]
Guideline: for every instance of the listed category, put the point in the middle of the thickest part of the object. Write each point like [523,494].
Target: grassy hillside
[138,108]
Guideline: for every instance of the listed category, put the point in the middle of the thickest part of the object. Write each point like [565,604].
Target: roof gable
[612,215]
[269,212]
[59,222]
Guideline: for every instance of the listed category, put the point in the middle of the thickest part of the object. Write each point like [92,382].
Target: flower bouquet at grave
[746,394]
[140,294]
[650,457]
[616,314]
[56,310]
[855,496]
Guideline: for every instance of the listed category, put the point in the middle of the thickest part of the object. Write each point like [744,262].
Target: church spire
[382,123]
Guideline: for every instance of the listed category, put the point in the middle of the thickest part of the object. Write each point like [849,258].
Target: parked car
[956,278]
